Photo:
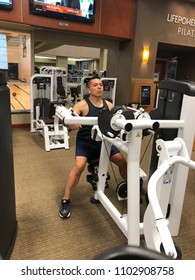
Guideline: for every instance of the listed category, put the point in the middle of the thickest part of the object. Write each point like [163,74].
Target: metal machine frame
[55,134]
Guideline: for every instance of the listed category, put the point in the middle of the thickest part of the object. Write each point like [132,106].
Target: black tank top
[84,132]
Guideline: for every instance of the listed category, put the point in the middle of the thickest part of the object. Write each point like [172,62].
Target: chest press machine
[167,183]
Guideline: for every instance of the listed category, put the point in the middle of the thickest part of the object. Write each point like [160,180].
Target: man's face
[96,87]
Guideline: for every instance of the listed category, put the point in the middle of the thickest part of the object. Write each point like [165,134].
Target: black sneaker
[65,209]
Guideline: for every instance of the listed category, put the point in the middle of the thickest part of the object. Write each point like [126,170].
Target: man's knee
[79,167]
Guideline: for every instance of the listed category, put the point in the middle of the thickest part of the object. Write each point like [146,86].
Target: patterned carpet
[39,181]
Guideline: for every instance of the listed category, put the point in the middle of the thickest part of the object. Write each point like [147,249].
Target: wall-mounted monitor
[76,10]
[145,95]
[6,4]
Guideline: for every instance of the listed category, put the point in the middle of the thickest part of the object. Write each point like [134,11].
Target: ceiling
[173,49]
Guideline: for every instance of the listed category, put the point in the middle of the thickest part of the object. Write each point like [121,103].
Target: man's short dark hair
[92,78]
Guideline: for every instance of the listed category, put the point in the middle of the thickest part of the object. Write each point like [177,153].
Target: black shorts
[91,149]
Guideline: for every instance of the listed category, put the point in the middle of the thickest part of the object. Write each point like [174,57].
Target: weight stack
[8,222]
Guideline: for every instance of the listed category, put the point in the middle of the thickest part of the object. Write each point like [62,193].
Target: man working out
[87,148]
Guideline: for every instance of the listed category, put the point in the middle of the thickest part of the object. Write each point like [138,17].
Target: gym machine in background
[59,81]
[8,222]
[48,89]
[167,182]
[109,88]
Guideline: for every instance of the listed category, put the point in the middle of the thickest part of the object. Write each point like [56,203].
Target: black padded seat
[50,119]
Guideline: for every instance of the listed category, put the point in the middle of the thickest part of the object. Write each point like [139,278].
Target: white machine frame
[172,154]
[55,134]
[172,172]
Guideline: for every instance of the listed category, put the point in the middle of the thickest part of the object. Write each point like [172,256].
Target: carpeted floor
[39,181]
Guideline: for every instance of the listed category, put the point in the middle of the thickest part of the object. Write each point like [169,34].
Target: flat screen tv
[76,10]
[6,4]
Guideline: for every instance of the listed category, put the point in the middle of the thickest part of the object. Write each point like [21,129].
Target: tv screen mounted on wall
[6,4]
[76,10]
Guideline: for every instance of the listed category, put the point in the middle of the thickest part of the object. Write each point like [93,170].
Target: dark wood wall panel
[117,18]
[114,18]
[14,15]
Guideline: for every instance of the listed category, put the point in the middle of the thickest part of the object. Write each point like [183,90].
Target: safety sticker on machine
[168,176]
